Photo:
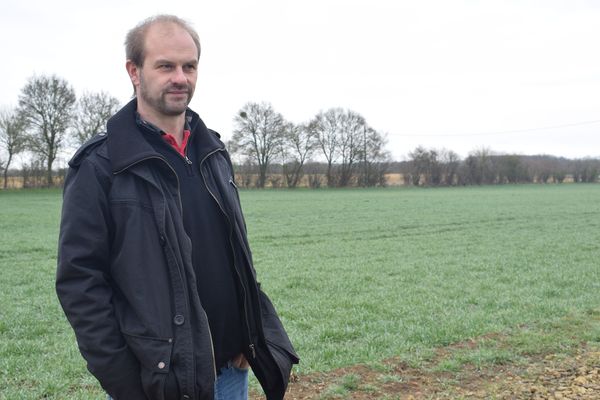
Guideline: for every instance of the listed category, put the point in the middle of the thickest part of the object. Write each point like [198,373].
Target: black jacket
[125,278]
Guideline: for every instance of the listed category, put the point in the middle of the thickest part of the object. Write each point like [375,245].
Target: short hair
[134,41]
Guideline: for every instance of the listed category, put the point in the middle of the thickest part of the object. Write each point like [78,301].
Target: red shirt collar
[171,140]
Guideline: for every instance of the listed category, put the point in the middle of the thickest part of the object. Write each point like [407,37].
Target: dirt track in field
[574,376]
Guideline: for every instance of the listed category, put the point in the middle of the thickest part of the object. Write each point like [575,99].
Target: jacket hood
[127,145]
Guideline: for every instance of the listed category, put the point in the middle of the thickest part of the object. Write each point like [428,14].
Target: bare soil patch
[554,376]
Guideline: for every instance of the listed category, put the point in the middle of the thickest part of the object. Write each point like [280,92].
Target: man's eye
[190,67]
[165,66]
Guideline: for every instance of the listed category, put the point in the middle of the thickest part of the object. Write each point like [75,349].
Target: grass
[357,276]
[363,275]
[340,390]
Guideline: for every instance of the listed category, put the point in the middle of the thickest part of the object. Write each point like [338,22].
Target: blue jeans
[232,384]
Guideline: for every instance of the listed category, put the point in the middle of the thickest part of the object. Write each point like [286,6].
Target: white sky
[446,74]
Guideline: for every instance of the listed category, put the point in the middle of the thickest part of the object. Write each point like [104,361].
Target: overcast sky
[513,76]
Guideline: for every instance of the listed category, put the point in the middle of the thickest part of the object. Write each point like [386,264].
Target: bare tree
[326,128]
[588,172]
[434,172]
[258,134]
[315,173]
[449,161]
[374,159]
[91,113]
[479,167]
[46,105]
[12,138]
[298,145]
[509,169]
[433,167]
[33,172]
[559,176]
[338,133]
[245,172]
[422,163]
[351,133]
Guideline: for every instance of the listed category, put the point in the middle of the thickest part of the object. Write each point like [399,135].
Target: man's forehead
[169,37]
[165,28]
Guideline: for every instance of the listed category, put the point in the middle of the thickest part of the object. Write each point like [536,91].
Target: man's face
[165,83]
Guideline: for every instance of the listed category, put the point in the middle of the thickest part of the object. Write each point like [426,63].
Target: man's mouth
[178,91]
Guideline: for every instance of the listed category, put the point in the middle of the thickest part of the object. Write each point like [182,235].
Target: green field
[357,275]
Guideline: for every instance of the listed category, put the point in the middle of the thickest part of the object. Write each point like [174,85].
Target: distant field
[357,275]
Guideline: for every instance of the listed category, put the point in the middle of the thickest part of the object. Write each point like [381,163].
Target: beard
[162,103]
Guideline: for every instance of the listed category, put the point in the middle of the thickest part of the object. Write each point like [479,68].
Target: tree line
[339,149]
[48,118]
[335,148]
[435,167]
[268,147]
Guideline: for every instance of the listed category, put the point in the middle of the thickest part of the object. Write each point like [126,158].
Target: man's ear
[134,72]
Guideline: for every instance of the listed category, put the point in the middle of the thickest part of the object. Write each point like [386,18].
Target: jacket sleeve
[82,282]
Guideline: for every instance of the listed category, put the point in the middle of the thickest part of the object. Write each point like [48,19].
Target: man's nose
[178,76]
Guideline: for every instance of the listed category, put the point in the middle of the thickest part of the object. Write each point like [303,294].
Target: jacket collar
[126,144]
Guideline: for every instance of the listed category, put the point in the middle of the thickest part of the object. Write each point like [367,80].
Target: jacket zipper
[251,346]
[212,345]
[212,348]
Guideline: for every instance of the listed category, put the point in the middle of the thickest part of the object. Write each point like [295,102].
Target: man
[154,270]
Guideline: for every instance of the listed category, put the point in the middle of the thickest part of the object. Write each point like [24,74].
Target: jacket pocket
[154,355]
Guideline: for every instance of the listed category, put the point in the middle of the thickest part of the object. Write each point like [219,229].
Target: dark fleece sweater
[212,253]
